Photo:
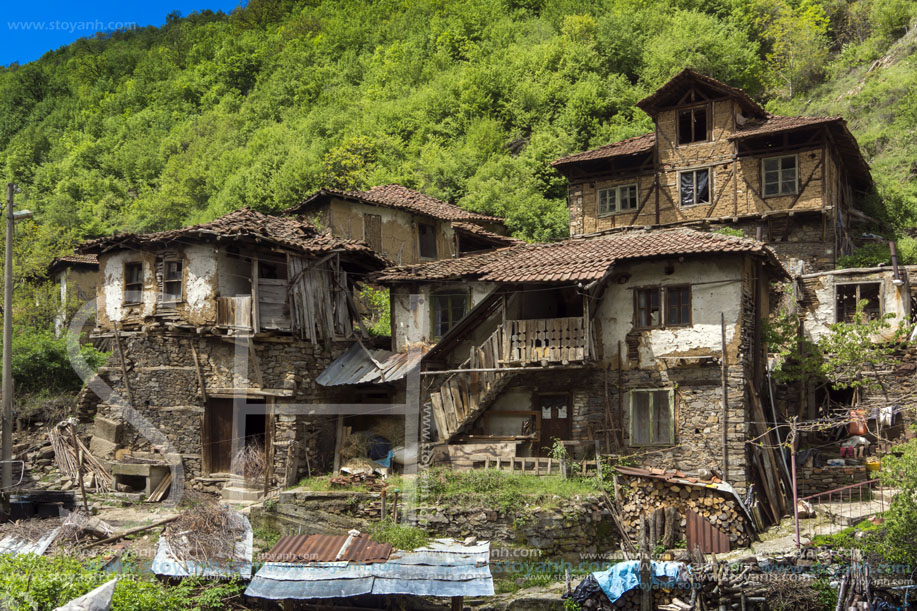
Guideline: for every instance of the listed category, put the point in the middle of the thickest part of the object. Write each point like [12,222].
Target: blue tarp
[625,576]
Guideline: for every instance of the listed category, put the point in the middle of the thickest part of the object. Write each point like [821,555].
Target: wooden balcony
[545,340]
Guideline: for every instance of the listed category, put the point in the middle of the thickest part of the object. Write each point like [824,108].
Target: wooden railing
[545,340]
[235,312]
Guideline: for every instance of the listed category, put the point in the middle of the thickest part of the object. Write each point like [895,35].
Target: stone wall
[815,480]
[164,384]
[572,527]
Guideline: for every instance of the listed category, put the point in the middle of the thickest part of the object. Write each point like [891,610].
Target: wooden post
[725,400]
[458,602]
[256,315]
[268,446]
[646,572]
[619,434]
[338,441]
[79,468]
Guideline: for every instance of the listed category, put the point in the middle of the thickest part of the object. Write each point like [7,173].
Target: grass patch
[400,536]
[267,535]
[500,490]
[847,538]
[322,483]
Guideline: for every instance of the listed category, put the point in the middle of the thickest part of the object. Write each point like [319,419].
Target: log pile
[71,459]
[667,503]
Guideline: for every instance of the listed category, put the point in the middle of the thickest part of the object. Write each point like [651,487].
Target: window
[133,282]
[848,295]
[648,307]
[427,235]
[693,124]
[617,199]
[372,231]
[677,305]
[448,309]
[171,280]
[694,187]
[671,304]
[779,175]
[652,421]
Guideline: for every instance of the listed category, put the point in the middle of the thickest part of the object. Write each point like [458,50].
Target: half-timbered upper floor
[717,157]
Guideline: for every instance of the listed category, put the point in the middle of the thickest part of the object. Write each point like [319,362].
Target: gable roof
[576,259]
[479,232]
[631,146]
[675,86]
[245,225]
[400,197]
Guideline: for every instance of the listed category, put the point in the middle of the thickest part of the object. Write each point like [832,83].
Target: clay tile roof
[575,260]
[776,123]
[76,259]
[241,226]
[630,146]
[675,87]
[398,196]
[479,231]
[326,548]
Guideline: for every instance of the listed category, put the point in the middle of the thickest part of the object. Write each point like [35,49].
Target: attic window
[172,280]
[372,231]
[848,295]
[652,418]
[427,236]
[693,125]
[133,282]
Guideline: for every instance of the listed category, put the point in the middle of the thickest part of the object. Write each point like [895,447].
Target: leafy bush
[34,583]
[401,536]
[41,362]
[379,320]
[878,253]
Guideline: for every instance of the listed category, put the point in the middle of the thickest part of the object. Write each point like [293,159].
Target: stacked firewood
[74,459]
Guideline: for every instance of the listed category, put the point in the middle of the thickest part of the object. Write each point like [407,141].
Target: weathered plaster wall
[716,286]
[399,229]
[111,306]
[416,327]
[817,295]
[200,281]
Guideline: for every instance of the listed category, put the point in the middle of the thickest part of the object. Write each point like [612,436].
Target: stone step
[243,495]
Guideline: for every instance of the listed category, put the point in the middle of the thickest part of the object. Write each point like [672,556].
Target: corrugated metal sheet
[14,545]
[165,562]
[325,548]
[443,568]
[360,365]
[699,532]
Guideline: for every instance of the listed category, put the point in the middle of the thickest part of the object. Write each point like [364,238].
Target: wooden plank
[439,416]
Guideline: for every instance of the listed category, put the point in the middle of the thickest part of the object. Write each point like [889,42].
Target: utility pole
[6,438]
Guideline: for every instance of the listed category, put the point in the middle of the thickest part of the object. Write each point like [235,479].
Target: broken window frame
[653,435]
[426,245]
[780,176]
[610,200]
[437,331]
[662,303]
[130,281]
[844,314]
[693,136]
[167,296]
[694,198]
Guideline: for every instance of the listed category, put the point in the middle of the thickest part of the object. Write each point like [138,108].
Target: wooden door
[555,420]
[217,438]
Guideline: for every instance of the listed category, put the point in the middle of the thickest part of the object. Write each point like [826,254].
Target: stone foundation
[815,480]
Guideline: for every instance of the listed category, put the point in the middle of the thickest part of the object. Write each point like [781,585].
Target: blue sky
[30,29]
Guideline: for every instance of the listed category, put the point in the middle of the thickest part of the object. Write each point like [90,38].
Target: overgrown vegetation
[378,320]
[33,583]
[468,100]
[401,536]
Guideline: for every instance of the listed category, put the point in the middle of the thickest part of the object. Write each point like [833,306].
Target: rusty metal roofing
[328,548]
[243,225]
[360,365]
[398,196]
[576,259]
[630,146]
[675,86]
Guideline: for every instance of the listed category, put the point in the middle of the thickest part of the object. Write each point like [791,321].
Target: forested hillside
[467,100]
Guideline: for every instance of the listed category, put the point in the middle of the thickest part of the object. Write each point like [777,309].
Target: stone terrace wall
[815,480]
[575,526]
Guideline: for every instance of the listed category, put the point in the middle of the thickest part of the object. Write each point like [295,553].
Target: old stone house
[629,341]
[404,225]
[716,158]
[223,328]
